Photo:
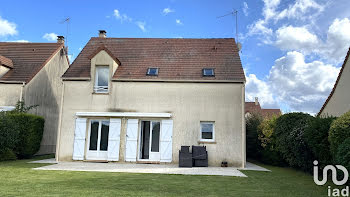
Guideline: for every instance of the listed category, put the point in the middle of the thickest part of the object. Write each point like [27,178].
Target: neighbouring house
[338,101]
[254,107]
[32,72]
[141,99]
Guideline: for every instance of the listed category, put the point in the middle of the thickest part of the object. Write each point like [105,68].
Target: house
[254,107]
[338,101]
[32,71]
[141,99]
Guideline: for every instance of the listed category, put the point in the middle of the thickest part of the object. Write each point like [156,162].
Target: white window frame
[200,131]
[97,88]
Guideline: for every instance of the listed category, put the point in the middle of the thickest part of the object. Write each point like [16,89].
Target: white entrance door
[150,141]
[97,146]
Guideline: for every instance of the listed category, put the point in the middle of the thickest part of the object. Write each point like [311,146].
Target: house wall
[9,94]
[339,103]
[189,103]
[45,90]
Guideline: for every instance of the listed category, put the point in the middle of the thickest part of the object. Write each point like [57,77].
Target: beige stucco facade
[339,102]
[45,91]
[188,103]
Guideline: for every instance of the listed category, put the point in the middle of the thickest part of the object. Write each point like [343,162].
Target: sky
[292,49]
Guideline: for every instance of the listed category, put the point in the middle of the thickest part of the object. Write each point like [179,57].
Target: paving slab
[142,168]
[52,160]
[254,167]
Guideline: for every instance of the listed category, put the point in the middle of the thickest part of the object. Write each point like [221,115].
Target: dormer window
[152,71]
[101,80]
[208,72]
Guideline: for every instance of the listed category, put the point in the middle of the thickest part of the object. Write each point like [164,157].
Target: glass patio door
[149,141]
[97,146]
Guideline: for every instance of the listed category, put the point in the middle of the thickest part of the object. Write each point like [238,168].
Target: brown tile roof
[177,59]
[4,61]
[266,113]
[251,107]
[336,83]
[28,58]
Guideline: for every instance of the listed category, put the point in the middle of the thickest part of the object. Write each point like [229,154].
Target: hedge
[8,136]
[291,142]
[317,139]
[20,135]
[31,128]
[339,131]
[254,148]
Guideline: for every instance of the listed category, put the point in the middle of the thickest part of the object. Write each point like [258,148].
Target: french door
[97,146]
[149,141]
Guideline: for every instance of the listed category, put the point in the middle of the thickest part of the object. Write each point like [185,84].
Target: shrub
[254,148]
[339,131]
[8,136]
[7,154]
[290,140]
[269,154]
[31,129]
[317,139]
[343,154]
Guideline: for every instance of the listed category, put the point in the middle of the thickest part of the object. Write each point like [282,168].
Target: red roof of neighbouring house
[252,107]
[27,59]
[177,59]
[336,82]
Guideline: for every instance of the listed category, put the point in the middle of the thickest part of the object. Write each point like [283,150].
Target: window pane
[207,135]
[93,135]
[102,75]
[104,135]
[208,71]
[155,136]
[152,71]
[207,130]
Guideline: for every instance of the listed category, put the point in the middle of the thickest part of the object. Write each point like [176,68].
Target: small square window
[152,71]
[208,72]
[207,131]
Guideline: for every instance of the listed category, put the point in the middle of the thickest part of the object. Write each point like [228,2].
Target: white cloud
[167,11]
[19,41]
[258,88]
[299,10]
[7,28]
[178,22]
[338,40]
[296,38]
[141,25]
[50,36]
[245,8]
[121,17]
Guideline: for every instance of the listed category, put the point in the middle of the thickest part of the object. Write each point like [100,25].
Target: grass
[17,178]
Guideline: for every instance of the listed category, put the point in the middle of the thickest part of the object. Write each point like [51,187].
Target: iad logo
[336,191]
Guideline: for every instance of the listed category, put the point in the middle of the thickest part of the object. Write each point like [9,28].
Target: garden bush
[9,133]
[31,128]
[269,154]
[254,148]
[317,139]
[290,140]
[339,131]
[343,154]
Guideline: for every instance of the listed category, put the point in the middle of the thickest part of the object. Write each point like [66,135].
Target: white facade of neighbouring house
[117,108]
[338,101]
[35,77]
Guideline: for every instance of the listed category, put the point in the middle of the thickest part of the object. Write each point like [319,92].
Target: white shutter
[114,139]
[131,140]
[166,145]
[79,139]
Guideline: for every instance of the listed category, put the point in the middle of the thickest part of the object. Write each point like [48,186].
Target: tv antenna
[234,13]
[66,20]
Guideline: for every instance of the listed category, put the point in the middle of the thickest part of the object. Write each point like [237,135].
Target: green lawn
[18,179]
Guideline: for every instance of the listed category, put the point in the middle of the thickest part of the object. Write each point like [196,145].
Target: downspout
[21,95]
[59,124]
[244,154]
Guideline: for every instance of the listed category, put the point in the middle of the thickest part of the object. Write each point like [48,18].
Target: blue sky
[292,49]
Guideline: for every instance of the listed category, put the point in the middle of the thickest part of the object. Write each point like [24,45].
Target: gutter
[21,95]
